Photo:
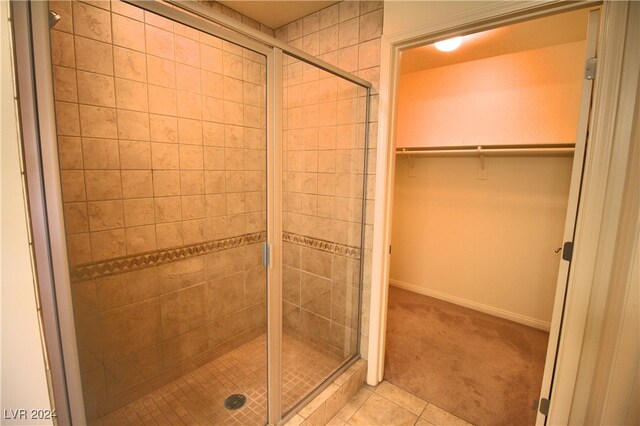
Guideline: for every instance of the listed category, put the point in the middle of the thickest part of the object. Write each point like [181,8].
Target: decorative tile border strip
[322,245]
[141,261]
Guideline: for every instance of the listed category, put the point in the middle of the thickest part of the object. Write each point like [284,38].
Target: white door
[555,333]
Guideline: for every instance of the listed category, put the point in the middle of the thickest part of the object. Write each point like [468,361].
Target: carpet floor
[483,369]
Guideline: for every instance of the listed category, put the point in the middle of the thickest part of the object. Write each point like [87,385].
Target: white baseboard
[501,313]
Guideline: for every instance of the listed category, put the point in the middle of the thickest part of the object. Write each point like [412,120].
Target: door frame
[573,206]
[603,181]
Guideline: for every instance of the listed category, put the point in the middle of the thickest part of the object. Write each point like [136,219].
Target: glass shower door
[324,155]
[161,130]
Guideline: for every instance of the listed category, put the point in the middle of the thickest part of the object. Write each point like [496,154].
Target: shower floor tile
[197,398]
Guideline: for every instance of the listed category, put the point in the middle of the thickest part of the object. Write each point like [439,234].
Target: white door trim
[603,168]
[601,206]
[579,159]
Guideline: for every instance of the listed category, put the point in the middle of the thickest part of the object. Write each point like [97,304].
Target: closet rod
[494,149]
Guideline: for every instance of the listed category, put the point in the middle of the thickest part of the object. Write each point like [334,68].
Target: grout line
[147,84]
[117,136]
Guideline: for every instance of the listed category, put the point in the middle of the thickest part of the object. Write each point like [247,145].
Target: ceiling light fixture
[449,45]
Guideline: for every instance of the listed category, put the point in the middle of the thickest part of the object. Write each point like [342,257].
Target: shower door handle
[266,255]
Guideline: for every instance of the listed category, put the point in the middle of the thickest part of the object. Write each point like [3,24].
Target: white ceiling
[556,29]
[276,13]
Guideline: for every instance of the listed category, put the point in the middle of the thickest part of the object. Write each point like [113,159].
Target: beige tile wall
[161,145]
[324,119]
[161,132]
[138,329]
[320,298]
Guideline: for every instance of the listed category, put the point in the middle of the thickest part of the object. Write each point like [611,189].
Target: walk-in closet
[485,141]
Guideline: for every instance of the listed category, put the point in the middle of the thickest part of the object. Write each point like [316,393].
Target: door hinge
[567,251]
[389,248]
[544,406]
[266,255]
[590,68]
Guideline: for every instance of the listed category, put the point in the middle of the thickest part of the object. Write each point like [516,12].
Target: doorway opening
[485,193]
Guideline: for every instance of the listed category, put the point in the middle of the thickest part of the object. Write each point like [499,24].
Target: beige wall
[487,244]
[24,380]
[528,97]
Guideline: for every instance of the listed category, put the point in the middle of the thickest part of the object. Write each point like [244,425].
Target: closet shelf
[466,150]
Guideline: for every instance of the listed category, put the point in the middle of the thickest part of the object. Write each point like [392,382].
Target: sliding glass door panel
[323,179]
[161,130]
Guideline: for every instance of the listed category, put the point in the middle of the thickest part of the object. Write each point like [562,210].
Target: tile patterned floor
[198,397]
[387,405]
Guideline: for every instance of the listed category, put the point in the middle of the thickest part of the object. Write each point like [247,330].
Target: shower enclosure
[210,188]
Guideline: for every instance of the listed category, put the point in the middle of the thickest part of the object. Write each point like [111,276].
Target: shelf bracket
[411,160]
[412,165]
[482,171]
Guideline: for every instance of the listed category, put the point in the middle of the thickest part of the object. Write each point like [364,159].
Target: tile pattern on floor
[389,405]
[197,398]
[321,409]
